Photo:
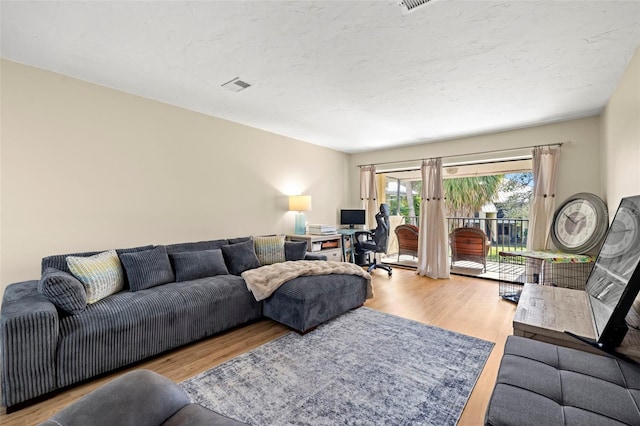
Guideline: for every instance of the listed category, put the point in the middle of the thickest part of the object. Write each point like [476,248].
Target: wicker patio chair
[407,236]
[469,244]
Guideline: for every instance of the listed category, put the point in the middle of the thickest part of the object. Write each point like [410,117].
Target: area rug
[363,368]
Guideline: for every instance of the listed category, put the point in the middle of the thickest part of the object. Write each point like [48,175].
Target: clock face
[580,223]
[576,223]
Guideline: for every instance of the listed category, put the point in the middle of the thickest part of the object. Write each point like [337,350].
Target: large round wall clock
[580,223]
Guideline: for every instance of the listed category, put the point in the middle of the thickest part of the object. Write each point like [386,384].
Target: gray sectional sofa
[45,347]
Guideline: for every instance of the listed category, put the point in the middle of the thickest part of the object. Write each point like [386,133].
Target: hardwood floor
[466,305]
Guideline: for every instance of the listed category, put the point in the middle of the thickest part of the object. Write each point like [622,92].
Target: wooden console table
[544,313]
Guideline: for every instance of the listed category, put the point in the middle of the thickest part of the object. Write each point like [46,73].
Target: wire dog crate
[541,267]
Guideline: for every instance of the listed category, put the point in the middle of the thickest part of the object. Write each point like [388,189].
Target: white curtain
[545,167]
[433,248]
[369,194]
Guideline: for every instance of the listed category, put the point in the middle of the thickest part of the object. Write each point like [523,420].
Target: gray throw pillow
[146,269]
[240,257]
[295,250]
[237,240]
[63,290]
[195,246]
[198,264]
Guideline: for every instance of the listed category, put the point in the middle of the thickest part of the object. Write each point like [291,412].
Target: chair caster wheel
[389,273]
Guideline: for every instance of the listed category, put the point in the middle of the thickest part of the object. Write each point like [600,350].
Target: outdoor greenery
[405,209]
[466,196]
[518,191]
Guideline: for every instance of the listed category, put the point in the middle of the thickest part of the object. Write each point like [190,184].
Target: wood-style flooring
[467,305]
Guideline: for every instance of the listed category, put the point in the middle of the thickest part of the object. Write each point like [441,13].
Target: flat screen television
[614,281]
[352,217]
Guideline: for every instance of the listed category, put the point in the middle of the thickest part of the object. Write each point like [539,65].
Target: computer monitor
[352,217]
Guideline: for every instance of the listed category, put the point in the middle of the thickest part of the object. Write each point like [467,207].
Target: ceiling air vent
[409,6]
[236,85]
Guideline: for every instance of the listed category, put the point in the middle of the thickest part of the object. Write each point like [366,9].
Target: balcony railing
[505,234]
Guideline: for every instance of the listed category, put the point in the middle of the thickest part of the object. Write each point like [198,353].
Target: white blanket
[263,281]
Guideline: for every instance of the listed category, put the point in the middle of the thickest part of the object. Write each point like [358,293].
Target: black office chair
[376,241]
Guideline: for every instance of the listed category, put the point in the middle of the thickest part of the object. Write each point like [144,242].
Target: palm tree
[465,196]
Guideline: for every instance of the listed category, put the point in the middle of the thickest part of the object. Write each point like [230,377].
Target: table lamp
[298,204]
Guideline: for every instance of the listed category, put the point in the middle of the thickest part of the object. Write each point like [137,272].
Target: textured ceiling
[349,75]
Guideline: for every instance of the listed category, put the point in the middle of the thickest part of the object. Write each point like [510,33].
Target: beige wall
[621,137]
[84,167]
[579,168]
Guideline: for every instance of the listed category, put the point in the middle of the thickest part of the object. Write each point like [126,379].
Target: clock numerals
[578,223]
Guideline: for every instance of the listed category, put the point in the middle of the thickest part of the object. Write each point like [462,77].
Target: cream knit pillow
[100,274]
[269,249]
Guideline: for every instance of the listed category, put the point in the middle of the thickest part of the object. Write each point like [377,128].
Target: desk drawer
[334,254]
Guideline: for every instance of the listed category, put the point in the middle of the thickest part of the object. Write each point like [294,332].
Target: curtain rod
[413,169]
[559,144]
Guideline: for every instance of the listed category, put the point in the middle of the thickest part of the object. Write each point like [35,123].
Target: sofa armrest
[139,398]
[28,339]
[315,257]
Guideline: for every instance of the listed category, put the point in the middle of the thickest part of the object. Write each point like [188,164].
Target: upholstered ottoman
[305,302]
[543,384]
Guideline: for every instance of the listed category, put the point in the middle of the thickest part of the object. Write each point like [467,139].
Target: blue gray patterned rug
[362,368]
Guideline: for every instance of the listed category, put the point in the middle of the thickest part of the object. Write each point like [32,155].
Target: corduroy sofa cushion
[295,250]
[147,322]
[305,302]
[543,384]
[147,268]
[240,257]
[192,265]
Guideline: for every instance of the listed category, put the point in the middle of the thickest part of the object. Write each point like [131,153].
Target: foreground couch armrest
[137,398]
[29,335]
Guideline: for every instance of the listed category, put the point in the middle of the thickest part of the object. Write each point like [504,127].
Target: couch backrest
[196,246]
[59,261]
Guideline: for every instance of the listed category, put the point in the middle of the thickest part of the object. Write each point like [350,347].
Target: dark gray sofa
[303,304]
[543,384]
[44,349]
[138,398]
